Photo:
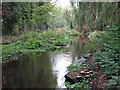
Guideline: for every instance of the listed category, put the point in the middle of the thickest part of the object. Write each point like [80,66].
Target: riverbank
[49,40]
[103,61]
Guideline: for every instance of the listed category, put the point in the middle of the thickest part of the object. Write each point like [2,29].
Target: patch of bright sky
[61,3]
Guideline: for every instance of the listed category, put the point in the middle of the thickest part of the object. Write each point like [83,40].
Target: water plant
[49,40]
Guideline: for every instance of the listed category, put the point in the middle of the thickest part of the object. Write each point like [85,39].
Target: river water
[41,69]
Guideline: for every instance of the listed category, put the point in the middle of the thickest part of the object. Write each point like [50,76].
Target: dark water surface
[41,70]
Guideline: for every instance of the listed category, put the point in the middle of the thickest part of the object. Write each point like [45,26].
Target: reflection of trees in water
[30,71]
[79,47]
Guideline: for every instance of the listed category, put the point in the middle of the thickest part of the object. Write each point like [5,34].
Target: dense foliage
[16,17]
[20,16]
[108,56]
[95,15]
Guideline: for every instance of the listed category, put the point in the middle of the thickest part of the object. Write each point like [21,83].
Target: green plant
[72,67]
[76,66]
[84,83]
[49,40]
[90,45]
[107,57]
[83,66]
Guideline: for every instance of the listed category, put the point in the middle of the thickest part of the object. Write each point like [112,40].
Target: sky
[62,3]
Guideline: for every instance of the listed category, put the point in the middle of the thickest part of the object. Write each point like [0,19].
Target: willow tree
[95,15]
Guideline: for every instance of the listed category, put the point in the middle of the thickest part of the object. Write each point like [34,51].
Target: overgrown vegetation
[33,25]
[108,56]
[94,15]
[41,19]
[31,16]
[50,40]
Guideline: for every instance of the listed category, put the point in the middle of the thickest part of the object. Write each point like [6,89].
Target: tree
[18,15]
[95,15]
[42,14]
[58,20]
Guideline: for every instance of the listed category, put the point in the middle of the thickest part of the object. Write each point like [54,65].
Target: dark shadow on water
[45,69]
[78,47]
[31,70]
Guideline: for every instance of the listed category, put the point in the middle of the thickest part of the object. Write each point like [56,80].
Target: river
[41,69]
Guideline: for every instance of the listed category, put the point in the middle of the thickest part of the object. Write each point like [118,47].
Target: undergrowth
[49,40]
[108,56]
[84,83]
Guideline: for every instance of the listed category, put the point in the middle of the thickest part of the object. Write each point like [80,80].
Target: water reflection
[78,47]
[34,70]
[42,70]
[30,71]
[60,63]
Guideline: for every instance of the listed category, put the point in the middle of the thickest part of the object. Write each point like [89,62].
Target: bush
[50,34]
[30,36]
[96,34]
